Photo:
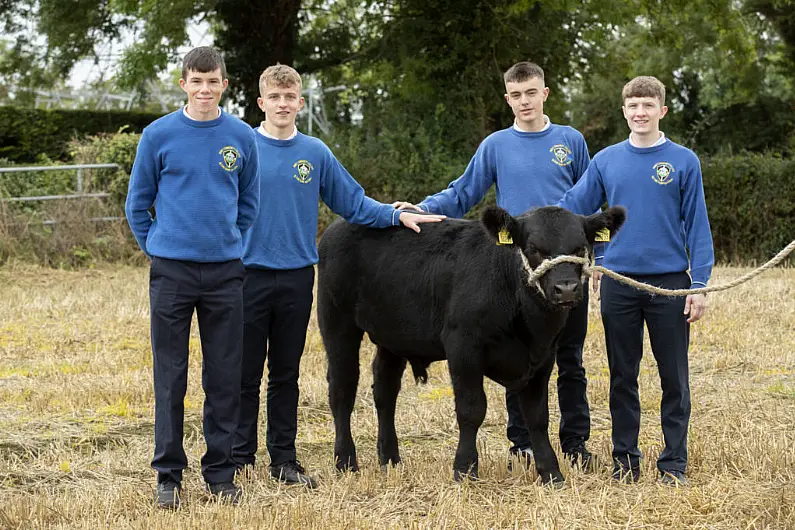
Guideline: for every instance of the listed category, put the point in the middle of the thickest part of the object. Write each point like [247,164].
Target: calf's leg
[534,400]
[387,374]
[341,339]
[466,374]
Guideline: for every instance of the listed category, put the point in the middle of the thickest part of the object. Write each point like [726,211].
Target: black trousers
[277,305]
[575,417]
[624,311]
[214,290]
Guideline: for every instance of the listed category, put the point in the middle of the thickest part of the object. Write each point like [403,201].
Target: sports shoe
[673,477]
[226,492]
[167,495]
[292,473]
[580,456]
[624,473]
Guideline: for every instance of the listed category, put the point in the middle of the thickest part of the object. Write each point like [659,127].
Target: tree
[714,58]
[250,33]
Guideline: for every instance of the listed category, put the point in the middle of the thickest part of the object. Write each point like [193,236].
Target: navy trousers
[624,312]
[214,290]
[575,417]
[277,305]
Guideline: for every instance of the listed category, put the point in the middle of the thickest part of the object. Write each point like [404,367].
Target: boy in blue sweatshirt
[533,163]
[279,256]
[198,167]
[666,235]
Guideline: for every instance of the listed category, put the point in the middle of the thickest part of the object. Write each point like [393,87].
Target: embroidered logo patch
[663,172]
[562,154]
[304,168]
[229,158]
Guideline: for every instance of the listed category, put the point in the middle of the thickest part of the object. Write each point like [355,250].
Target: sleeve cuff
[425,205]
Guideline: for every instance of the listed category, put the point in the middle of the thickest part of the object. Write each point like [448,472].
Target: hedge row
[751,204]
[27,135]
[750,197]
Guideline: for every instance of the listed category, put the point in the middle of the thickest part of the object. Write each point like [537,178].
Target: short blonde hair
[279,75]
[644,86]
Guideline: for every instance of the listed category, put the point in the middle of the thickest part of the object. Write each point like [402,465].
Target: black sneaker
[168,494]
[226,492]
[672,477]
[292,473]
[580,456]
[624,474]
[524,454]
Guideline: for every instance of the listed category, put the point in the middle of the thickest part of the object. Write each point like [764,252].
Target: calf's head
[548,232]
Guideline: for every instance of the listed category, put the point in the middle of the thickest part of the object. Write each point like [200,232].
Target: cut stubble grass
[76,433]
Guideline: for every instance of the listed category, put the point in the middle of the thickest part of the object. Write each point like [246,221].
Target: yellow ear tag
[504,237]
[602,236]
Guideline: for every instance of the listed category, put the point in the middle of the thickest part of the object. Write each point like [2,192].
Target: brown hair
[644,86]
[279,75]
[522,72]
[203,59]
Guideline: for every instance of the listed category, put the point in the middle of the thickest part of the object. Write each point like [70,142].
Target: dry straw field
[76,427]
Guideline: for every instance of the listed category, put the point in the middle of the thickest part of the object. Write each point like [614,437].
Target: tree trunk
[255,34]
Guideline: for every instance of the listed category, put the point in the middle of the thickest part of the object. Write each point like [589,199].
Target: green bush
[27,134]
[119,148]
[75,240]
[750,196]
[751,204]
[32,183]
[395,163]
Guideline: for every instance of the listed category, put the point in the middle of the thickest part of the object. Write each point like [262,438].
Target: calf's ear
[500,225]
[611,219]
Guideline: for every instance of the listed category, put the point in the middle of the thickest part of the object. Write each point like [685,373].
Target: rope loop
[533,275]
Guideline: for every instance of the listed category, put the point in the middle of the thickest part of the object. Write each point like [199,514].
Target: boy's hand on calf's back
[414,220]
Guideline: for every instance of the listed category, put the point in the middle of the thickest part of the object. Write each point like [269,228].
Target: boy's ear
[500,225]
[611,219]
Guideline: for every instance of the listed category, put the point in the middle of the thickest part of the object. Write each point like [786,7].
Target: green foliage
[715,59]
[27,134]
[251,34]
[751,203]
[397,163]
[34,183]
[119,148]
[74,240]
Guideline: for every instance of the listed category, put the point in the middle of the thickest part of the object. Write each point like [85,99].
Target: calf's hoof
[553,478]
[347,464]
[386,463]
[460,476]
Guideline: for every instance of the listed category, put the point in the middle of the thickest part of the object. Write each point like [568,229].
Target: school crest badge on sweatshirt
[229,158]
[663,172]
[303,168]
[562,154]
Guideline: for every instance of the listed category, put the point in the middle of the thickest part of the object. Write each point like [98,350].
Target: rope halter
[534,275]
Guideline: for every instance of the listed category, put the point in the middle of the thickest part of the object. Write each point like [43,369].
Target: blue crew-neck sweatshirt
[662,189]
[530,169]
[201,177]
[294,173]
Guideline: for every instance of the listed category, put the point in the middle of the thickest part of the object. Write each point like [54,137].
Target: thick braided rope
[534,275]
